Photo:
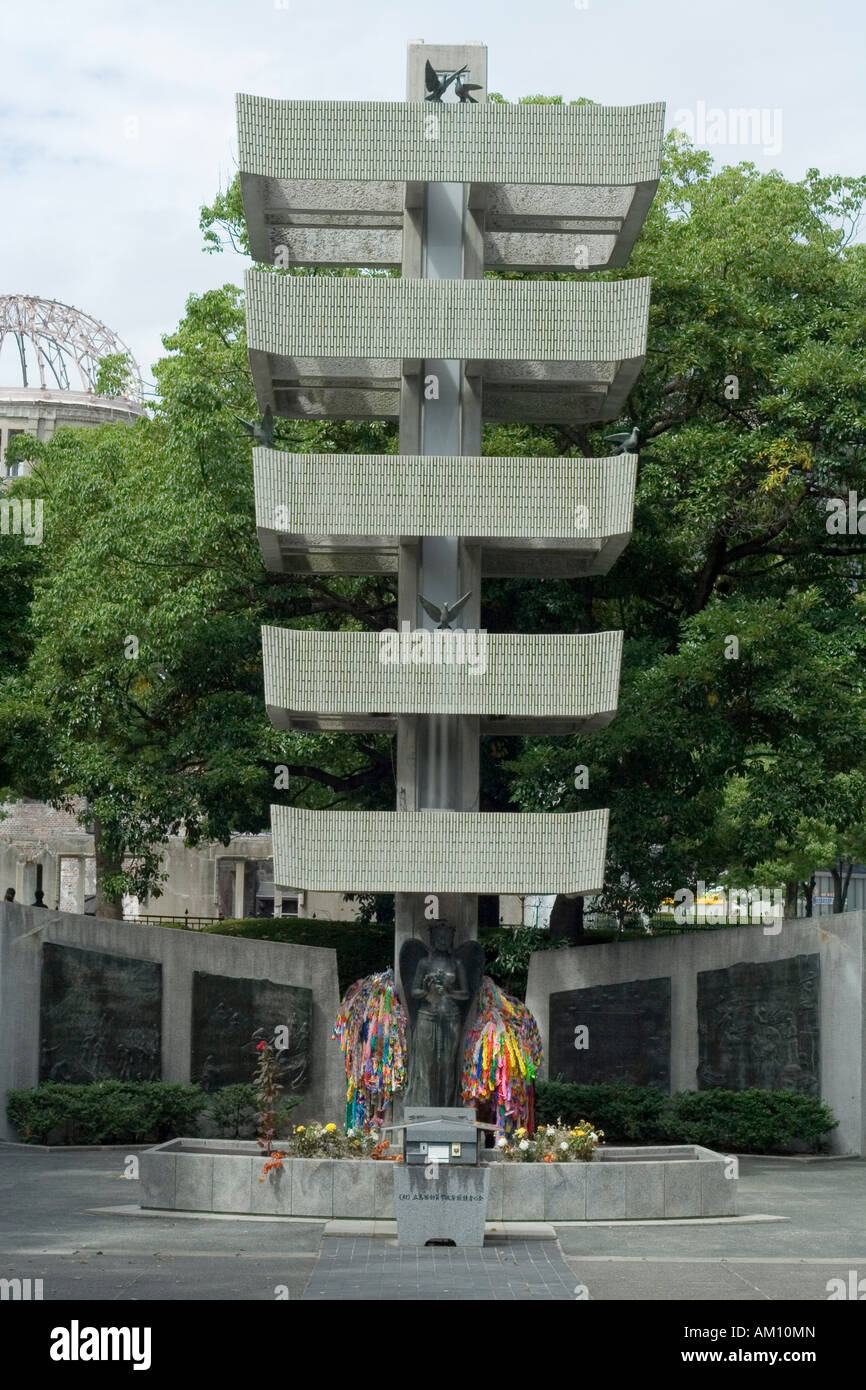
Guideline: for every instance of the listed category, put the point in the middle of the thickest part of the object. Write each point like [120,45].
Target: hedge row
[116,1112]
[119,1112]
[740,1121]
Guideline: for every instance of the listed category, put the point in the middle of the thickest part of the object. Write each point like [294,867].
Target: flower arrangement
[552,1144]
[317,1140]
[381,1151]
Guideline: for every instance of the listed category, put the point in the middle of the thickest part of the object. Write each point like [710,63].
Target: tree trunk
[792,894]
[837,887]
[841,880]
[845,885]
[809,890]
[105,864]
[566,920]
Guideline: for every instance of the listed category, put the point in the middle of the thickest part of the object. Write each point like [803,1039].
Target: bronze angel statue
[440,986]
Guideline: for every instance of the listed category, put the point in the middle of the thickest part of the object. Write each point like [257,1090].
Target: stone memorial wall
[759,1025]
[777,1009]
[223,1051]
[86,999]
[100,1016]
[629,1026]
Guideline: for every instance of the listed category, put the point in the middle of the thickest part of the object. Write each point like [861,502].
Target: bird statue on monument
[444,616]
[464,88]
[262,433]
[629,443]
[437,84]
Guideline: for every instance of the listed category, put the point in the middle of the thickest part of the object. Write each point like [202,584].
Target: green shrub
[740,1121]
[749,1121]
[105,1112]
[36,1113]
[625,1113]
[232,1111]
[507,951]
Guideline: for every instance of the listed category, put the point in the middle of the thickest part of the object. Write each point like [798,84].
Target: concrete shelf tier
[344,182]
[542,351]
[364,680]
[350,513]
[440,851]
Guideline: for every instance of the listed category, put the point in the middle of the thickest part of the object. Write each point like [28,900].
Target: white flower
[350,1134]
[524,1144]
[593,1134]
[501,1143]
[563,1145]
[551,1129]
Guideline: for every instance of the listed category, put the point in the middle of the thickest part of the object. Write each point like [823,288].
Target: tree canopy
[743,756]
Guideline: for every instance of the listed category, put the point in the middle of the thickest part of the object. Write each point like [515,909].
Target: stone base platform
[217,1175]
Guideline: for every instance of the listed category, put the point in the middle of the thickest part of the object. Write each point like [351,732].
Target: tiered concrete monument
[443,188]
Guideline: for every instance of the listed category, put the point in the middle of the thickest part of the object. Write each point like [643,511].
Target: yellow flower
[329,1129]
[579,1133]
[520,1132]
[299,1129]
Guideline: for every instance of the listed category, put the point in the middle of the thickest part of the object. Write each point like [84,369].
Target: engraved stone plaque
[759,1025]
[100,1016]
[227,1011]
[613,1033]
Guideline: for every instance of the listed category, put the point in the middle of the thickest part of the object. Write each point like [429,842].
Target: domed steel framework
[60,338]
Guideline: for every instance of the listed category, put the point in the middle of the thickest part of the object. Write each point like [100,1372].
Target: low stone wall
[781,1007]
[86,999]
[618,1185]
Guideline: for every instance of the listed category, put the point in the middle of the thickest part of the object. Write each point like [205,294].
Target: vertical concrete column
[51,879]
[80,884]
[684,1030]
[438,755]
[240,870]
[27,873]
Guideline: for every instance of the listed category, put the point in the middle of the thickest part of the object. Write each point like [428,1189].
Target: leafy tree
[752,404]
[139,685]
[114,374]
[753,407]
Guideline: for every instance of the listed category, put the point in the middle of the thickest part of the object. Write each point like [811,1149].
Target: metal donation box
[439,1136]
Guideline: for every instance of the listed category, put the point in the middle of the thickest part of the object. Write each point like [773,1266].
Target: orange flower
[548,1158]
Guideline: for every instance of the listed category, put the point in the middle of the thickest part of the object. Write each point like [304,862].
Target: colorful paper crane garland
[503,1053]
[371,1030]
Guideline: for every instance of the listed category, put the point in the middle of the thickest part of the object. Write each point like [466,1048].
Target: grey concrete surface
[453,1207]
[24,930]
[840,942]
[54,1227]
[658,1181]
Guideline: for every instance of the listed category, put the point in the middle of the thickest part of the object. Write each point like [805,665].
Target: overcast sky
[117,117]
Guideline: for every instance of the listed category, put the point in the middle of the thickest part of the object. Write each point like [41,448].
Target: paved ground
[504,1269]
[51,1229]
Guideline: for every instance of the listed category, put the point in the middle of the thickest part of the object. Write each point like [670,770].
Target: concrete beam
[565,187]
[439,851]
[551,351]
[348,513]
[516,683]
